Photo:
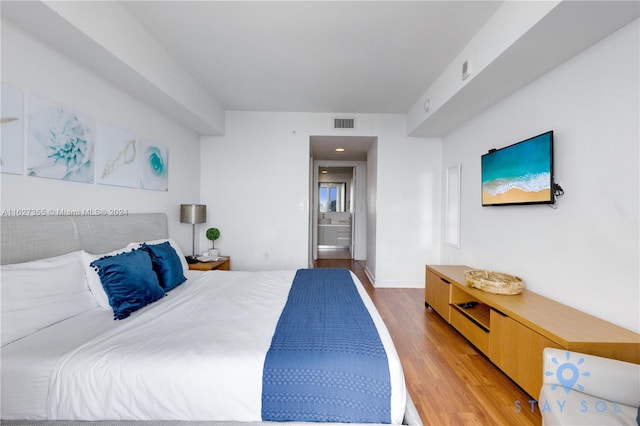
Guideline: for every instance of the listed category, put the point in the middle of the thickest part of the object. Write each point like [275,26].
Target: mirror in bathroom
[332,197]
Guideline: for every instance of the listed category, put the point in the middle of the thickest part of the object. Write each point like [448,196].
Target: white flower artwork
[60,142]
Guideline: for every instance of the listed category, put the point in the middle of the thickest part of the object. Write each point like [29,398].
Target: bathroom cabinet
[336,235]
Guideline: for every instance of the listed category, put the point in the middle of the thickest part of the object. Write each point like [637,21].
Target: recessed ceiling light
[324,171]
[339,149]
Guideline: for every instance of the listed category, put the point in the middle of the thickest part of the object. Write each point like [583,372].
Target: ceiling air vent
[344,123]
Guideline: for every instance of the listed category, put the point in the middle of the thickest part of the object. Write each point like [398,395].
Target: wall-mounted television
[521,173]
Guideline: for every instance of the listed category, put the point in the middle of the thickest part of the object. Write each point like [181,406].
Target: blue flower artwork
[61,142]
[154,166]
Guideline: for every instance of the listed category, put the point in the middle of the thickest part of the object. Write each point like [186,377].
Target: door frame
[357,218]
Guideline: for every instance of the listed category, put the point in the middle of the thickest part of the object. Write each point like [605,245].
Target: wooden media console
[512,330]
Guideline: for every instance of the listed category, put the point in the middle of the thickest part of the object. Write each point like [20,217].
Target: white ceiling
[314,56]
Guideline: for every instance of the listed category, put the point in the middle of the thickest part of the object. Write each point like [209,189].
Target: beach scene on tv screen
[520,173]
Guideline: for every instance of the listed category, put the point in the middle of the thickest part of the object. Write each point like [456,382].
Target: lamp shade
[193,213]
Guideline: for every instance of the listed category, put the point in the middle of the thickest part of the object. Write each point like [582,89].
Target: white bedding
[135,371]
[27,364]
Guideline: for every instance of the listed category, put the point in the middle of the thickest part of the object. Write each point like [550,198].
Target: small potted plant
[213,234]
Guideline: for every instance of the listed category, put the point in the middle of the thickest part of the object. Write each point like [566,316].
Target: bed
[209,348]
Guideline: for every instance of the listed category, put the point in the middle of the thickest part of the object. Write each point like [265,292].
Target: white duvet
[152,366]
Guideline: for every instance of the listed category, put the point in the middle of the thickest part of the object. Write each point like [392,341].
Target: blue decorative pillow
[166,263]
[129,281]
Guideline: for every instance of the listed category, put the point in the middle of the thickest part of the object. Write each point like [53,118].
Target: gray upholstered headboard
[23,239]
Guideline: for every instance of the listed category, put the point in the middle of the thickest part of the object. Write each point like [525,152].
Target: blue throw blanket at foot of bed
[326,362]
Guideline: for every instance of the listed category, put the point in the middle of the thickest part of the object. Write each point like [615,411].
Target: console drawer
[469,329]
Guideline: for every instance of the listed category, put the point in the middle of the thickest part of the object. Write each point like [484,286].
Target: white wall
[585,253]
[372,210]
[255,178]
[255,183]
[359,208]
[407,209]
[33,66]
[403,210]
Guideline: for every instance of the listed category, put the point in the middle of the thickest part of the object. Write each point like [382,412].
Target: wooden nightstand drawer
[221,265]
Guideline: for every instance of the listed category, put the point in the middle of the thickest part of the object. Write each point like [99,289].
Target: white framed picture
[116,156]
[154,166]
[60,142]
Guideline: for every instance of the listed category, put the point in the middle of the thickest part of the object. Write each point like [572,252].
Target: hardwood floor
[450,382]
[334,253]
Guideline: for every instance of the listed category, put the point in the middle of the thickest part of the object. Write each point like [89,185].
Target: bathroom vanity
[334,234]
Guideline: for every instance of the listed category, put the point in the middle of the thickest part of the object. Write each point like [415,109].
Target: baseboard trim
[391,284]
[399,284]
[369,275]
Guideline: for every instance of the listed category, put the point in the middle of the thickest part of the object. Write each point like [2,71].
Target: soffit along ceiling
[195,60]
[314,56]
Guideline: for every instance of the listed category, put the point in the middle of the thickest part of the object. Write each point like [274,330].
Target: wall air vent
[344,123]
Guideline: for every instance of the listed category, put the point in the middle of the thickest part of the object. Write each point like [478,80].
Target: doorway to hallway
[344,227]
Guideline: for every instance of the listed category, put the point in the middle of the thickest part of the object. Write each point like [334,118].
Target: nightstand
[221,265]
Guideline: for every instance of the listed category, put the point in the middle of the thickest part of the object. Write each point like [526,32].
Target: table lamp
[193,213]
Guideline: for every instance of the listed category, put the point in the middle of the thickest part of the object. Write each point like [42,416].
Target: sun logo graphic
[568,373]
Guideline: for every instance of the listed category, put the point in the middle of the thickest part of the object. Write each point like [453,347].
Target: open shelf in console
[478,312]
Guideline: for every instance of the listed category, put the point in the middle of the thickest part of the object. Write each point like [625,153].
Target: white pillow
[173,244]
[93,279]
[40,293]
